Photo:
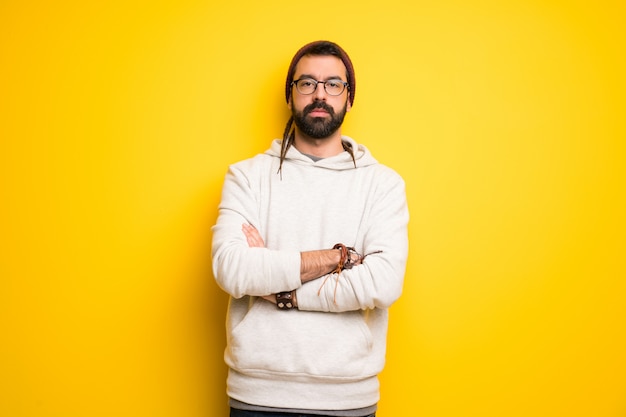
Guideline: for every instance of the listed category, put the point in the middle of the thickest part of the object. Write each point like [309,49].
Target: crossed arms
[313,264]
[282,253]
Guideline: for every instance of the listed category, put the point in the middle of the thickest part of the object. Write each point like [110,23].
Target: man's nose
[320,92]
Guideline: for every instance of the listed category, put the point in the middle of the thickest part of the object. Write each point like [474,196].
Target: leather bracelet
[343,257]
[284,300]
[349,261]
[346,261]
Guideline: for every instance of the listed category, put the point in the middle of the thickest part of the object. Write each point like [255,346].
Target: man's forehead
[327,65]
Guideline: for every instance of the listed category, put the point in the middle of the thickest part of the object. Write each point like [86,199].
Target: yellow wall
[506,118]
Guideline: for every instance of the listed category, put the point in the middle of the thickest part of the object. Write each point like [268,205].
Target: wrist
[349,257]
[286,300]
[343,256]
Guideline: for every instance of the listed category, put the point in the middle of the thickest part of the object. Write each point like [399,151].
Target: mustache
[318,105]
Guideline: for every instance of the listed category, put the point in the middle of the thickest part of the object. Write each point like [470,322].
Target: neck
[321,148]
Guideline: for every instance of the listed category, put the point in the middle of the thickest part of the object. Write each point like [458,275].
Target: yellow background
[506,118]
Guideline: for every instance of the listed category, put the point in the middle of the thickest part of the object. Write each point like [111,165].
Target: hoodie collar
[341,161]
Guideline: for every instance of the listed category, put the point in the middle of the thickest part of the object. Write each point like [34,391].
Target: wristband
[346,261]
[284,300]
[344,256]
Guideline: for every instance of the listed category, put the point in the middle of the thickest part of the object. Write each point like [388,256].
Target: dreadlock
[288,137]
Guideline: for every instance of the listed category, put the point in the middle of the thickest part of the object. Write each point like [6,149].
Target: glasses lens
[306,85]
[334,87]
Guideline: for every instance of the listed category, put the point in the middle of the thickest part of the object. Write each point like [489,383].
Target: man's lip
[318,112]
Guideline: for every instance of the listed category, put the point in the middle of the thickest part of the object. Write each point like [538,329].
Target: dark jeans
[242,413]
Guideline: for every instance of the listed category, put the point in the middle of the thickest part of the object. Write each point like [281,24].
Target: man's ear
[348,106]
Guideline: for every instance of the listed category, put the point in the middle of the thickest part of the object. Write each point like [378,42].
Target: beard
[318,127]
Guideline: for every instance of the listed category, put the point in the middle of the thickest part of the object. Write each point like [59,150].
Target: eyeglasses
[308,86]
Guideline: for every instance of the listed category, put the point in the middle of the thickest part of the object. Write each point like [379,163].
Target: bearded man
[311,245]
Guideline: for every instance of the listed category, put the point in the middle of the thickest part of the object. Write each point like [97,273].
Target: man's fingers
[253,236]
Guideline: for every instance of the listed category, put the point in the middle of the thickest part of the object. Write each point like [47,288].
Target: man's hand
[252,236]
[256,241]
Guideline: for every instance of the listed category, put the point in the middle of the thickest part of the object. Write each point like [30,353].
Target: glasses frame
[335,80]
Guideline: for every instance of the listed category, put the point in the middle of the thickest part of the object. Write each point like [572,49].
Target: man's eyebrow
[332,77]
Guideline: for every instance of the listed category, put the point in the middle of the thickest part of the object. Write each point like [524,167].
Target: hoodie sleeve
[378,281]
[239,269]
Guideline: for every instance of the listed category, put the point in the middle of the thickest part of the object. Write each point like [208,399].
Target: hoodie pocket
[302,342]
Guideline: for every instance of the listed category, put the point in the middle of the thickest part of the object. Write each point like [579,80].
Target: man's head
[322,48]
[319,90]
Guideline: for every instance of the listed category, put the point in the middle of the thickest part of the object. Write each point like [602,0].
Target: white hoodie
[327,354]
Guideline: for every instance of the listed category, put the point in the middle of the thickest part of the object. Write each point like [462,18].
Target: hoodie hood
[339,162]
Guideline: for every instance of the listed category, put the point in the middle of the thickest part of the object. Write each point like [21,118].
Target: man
[311,244]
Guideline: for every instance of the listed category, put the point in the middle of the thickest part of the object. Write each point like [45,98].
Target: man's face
[319,115]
